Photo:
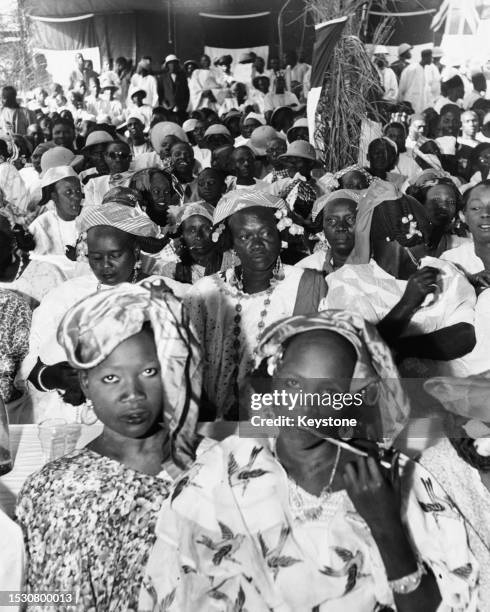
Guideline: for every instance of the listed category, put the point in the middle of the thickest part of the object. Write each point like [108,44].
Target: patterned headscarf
[201,208]
[240,199]
[94,327]
[401,221]
[332,181]
[374,360]
[341,194]
[122,217]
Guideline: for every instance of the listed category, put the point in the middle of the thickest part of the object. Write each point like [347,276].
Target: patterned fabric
[92,329]
[200,208]
[341,194]
[89,524]
[15,323]
[229,540]
[241,199]
[125,218]
[374,360]
[14,197]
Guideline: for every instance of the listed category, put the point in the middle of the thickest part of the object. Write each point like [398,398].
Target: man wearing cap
[386,74]
[93,152]
[437,54]
[250,122]
[144,80]
[280,96]
[142,110]
[137,140]
[173,87]
[404,55]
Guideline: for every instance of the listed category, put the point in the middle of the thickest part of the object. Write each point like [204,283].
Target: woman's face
[199,131]
[450,124]
[256,238]
[354,180]
[299,133]
[339,220]
[243,163]
[205,62]
[111,255]
[210,186]
[320,363]
[196,232]
[483,161]
[182,158]
[117,158]
[160,190]
[126,388]
[440,204]
[381,157]
[63,135]
[477,214]
[67,196]
[276,147]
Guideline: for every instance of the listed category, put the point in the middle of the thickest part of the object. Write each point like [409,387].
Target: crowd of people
[171,246]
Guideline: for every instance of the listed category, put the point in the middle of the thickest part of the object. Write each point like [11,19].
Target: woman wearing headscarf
[423,306]
[56,231]
[163,135]
[382,157]
[353,177]
[325,516]
[88,518]
[461,460]
[230,309]
[443,203]
[198,255]
[115,236]
[337,211]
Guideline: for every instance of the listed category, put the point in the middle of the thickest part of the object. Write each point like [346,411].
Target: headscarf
[405,216]
[241,199]
[163,129]
[94,327]
[374,360]
[201,208]
[341,194]
[332,181]
[120,216]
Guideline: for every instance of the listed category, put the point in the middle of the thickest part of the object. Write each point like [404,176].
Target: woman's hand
[420,284]
[373,495]
[65,378]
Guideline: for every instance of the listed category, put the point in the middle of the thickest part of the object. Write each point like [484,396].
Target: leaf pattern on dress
[244,474]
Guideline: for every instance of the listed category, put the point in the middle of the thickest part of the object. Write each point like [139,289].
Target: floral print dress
[88,524]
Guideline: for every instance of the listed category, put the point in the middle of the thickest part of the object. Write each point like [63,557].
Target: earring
[136,270]
[235,260]
[278,272]
[88,416]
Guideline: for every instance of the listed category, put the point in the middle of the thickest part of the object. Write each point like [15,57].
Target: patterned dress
[88,524]
[15,323]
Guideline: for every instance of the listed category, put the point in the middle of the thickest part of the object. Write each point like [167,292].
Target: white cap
[189,125]
[171,58]
[59,156]
[53,175]
[257,117]
[380,50]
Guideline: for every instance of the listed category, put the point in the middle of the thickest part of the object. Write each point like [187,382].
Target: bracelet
[38,379]
[408,584]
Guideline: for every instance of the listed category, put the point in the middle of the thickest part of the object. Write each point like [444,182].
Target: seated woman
[55,231]
[117,158]
[320,518]
[198,255]
[460,461]
[115,235]
[230,309]
[423,306]
[338,213]
[442,201]
[95,509]
[382,156]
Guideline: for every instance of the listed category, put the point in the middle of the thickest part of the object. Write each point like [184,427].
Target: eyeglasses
[118,155]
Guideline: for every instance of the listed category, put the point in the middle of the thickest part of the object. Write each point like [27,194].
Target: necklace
[306,507]
[230,289]
[134,279]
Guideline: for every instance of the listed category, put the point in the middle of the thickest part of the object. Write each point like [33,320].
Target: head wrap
[163,129]
[240,199]
[374,360]
[407,212]
[94,327]
[331,181]
[121,216]
[341,194]
[201,208]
